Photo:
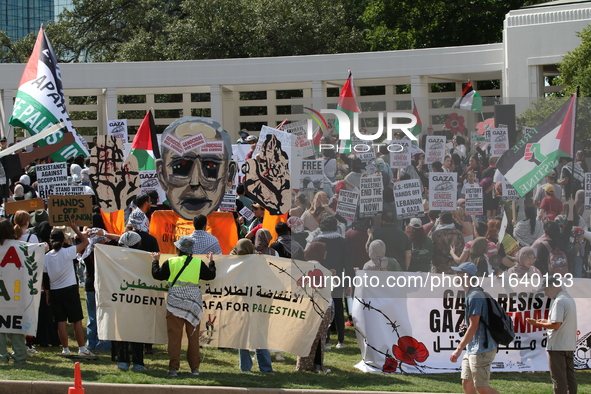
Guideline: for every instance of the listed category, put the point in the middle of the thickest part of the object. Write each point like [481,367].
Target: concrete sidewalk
[28,387]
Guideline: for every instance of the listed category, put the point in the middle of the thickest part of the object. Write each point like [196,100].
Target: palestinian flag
[418,128]
[540,148]
[145,149]
[347,104]
[40,101]
[470,100]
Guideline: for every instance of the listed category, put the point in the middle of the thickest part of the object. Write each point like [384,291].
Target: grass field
[220,368]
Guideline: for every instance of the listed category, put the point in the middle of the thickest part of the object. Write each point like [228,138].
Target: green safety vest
[189,276]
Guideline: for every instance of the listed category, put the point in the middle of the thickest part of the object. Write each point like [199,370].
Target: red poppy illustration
[455,123]
[481,127]
[314,279]
[409,351]
[390,365]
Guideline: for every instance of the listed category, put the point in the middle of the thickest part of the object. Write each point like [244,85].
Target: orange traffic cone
[77,389]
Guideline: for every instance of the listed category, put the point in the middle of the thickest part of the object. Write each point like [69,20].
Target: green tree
[575,68]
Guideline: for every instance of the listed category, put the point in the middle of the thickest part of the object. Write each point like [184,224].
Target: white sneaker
[66,352]
[85,352]
[341,345]
[279,357]
[32,350]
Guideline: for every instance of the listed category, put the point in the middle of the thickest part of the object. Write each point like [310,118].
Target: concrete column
[110,97]
[318,95]
[216,103]
[536,81]
[6,112]
[419,92]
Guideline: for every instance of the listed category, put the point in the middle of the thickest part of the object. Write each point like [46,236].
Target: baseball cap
[549,188]
[466,267]
[416,223]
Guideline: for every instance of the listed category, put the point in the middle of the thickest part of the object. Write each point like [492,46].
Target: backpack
[557,261]
[500,325]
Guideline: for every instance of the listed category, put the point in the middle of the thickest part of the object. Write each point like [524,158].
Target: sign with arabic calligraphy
[271,307]
[21,272]
[426,311]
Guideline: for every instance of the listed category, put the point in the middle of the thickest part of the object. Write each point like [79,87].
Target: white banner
[474,200]
[21,273]
[412,326]
[311,175]
[370,195]
[588,190]
[443,191]
[400,159]
[118,129]
[347,205]
[434,149]
[270,307]
[408,199]
[49,176]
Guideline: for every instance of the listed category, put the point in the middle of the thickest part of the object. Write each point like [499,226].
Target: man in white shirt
[562,337]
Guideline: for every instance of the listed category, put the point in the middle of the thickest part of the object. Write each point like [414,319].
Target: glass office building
[21,17]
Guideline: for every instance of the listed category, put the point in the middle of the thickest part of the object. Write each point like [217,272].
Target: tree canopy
[141,30]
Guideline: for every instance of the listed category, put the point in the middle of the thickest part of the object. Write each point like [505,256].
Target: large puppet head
[195,168]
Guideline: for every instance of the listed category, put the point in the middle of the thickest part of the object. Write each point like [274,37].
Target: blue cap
[466,267]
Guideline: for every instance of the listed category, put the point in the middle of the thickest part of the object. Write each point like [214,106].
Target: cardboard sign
[347,205]
[401,156]
[247,213]
[499,141]
[509,192]
[49,176]
[408,199]
[24,205]
[118,129]
[435,149]
[63,208]
[370,195]
[443,191]
[474,200]
[68,190]
[312,175]
[301,137]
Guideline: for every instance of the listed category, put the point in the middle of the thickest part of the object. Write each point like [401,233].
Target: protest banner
[473,201]
[118,129]
[21,273]
[229,201]
[311,175]
[271,307]
[24,205]
[68,190]
[443,191]
[63,208]
[434,149]
[401,156]
[509,192]
[371,198]
[477,138]
[367,154]
[347,205]
[239,152]
[588,190]
[498,138]
[49,176]
[408,199]
[299,130]
[413,327]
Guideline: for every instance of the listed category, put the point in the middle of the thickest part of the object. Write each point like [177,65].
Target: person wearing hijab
[261,243]
[379,261]
[526,260]
[263,356]
[314,361]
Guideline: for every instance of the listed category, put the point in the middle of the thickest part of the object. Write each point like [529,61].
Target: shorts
[65,304]
[476,367]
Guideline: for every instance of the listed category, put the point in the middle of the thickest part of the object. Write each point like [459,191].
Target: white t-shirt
[30,238]
[60,267]
[564,310]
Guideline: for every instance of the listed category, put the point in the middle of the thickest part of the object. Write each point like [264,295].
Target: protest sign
[21,273]
[271,307]
[401,156]
[477,138]
[347,205]
[312,175]
[473,200]
[24,205]
[370,196]
[229,201]
[118,129]
[509,192]
[299,130]
[68,190]
[421,316]
[499,141]
[408,199]
[63,208]
[588,190]
[49,176]
[443,191]
[368,153]
[435,149]
[247,213]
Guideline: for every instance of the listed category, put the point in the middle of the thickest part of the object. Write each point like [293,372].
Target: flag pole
[571,214]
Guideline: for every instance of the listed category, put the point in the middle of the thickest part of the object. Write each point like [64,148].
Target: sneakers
[340,345]
[349,323]
[328,346]
[195,371]
[279,357]
[139,368]
[123,366]
[32,350]
[172,373]
[85,352]
[66,351]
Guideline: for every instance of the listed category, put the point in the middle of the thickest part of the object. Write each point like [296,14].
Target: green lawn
[220,368]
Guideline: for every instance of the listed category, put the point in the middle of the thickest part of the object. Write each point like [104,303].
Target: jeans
[19,349]
[339,320]
[263,358]
[93,343]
